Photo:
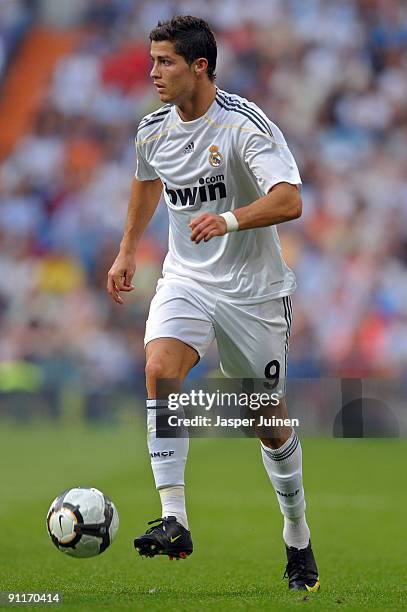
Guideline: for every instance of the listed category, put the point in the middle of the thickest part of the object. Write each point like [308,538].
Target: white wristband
[232,224]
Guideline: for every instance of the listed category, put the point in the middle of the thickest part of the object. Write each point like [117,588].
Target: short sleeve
[144,171]
[270,160]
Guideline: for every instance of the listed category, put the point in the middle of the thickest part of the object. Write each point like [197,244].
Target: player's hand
[206,226]
[120,276]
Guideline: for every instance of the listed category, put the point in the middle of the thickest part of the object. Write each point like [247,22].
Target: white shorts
[252,339]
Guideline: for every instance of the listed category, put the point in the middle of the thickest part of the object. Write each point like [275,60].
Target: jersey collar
[195,123]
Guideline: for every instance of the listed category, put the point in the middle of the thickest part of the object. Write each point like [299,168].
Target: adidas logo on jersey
[210,188]
[189,148]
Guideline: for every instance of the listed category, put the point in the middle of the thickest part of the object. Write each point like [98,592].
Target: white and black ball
[82,522]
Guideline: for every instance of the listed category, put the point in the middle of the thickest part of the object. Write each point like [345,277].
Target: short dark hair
[192,38]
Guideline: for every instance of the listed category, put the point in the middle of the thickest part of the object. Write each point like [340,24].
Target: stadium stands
[330,74]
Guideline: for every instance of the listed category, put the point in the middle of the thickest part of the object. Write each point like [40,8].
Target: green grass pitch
[356,510]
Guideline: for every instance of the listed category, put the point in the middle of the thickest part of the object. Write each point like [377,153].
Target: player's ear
[200,65]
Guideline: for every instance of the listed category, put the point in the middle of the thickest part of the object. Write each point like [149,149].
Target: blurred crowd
[15,19]
[330,73]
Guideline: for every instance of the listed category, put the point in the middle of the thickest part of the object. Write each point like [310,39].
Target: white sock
[168,455]
[296,532]
[173,504]
[284,467]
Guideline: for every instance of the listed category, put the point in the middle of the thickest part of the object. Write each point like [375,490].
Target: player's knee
[158,368]
[278,440]
[155,368]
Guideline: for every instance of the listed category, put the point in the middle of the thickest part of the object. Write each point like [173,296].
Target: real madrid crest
[215,158]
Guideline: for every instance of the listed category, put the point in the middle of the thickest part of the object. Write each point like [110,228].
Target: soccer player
[228,179]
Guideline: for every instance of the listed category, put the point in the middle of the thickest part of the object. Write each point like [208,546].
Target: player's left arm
[282,203]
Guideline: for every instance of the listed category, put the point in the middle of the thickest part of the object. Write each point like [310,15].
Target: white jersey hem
[215,290]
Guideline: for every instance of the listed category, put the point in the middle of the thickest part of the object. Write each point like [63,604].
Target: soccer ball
[82,522]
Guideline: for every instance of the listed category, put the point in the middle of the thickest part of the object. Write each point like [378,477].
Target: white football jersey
[221,161]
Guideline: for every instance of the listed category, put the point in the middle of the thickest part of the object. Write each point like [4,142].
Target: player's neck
[198,104]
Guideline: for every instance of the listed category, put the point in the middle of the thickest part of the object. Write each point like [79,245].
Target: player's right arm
[143,202]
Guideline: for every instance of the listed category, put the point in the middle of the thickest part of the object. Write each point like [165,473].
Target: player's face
[172,76]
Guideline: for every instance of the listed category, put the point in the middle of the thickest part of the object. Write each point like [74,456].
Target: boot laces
[297,564]
[161,521]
